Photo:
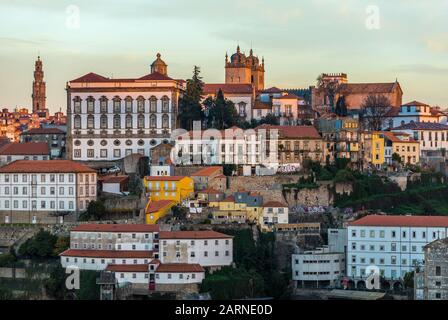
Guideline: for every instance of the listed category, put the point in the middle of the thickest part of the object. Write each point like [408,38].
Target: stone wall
[186,170]
[20,273]
[180,289]
[42,217]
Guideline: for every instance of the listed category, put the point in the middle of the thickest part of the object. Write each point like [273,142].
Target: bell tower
[38,96]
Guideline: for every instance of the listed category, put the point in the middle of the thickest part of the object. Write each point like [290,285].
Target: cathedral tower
[39,98]
[245,69]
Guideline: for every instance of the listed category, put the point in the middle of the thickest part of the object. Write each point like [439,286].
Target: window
[117,105]
[90,105]
[153,121]
[128,121]
[77,122]
[165,104]
[90,121]
[128,105]
[103,122]
[438,271]
[117,121]
[153,104]
[165,121]
[140,104]
[141,121]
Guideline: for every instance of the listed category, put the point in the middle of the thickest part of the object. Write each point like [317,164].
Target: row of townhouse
[147,257]
[46,191]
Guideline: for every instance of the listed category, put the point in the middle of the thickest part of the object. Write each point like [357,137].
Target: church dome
[159,66]
[238,57]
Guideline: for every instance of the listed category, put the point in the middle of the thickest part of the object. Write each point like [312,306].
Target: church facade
[111,118]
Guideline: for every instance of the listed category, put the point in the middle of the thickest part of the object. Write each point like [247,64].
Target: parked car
[114,169]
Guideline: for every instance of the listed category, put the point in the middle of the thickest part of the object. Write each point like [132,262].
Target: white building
[395,244]
[317,267]
[33,193]
[24,151]
[432,136]
[206,248]
[415,112]
[133,253]
[111,118]
[274,212]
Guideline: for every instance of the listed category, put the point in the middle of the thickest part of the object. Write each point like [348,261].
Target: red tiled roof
[371,88]
[288,96]
[114,179]
[274,204]
[155,206]
[213,88]
[262,105]
[394,137]
[91,77]
[179,267]
[230,198]
[104,227]
[422,126]
[107,253]
[401,221]
[206,172]
[164,178]
[155,76]
[25,148]
[127,267]
[210,191]
[272,90]
[192,235]
[44,131]
[415,103]
[293,131]
[46,166]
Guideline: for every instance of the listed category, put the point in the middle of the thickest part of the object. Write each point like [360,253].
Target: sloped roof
[44,131]
[415,103]
[25,148]
[124,228]
[371,88]
[193,235]
[274,204]
[293,131]
[206,172]
[401,221]
[229,88]
[272,90]
[45,166]
[155,206]
[179,267]
[155,76]
[107,253]
[422,126]
[91,77]
[127,267]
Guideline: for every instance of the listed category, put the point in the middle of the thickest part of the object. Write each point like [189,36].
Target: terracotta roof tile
[107,253]
[274,204]
[229,88]
[293,131]
[46,166]
[208,171]
[44,131]
[422,126]
[179,267]
[114,179]
[371,88]
[26,148]
[288,96]
[124,228]
[127,267]
[91,77]
[401,221]
[155,76]
[164,178]
[155,206]
[272,90]
[415,103]
[193,235]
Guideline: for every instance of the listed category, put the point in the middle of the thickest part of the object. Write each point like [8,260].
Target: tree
[62,244]
[95,211]
[135,185]
[341,107]
[328,88]
[190,103]
[221,112]
[270,119]
[55,284]
[40,246]
[374,111]
[396,157]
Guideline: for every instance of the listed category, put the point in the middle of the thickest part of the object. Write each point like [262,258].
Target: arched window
[77,122]
[77,105]
[165,121]
[153,121]
[153,104]
[90,121]
[128,121]
[90,105]
[103,104]
[103,121]
[117,105]
[141,121]
[242,109]
[140,104]
[128,104]
[117,121]
[165,104]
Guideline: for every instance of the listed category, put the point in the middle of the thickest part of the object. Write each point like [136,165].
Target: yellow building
[157,209]
[377,149]
[231,210]
[403,145]
[175,188]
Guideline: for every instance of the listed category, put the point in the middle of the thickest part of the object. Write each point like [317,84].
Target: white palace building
[111,118]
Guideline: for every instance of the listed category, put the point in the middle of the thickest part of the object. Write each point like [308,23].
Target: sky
[370,40]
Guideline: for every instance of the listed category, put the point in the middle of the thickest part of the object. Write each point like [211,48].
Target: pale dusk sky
[298,38]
